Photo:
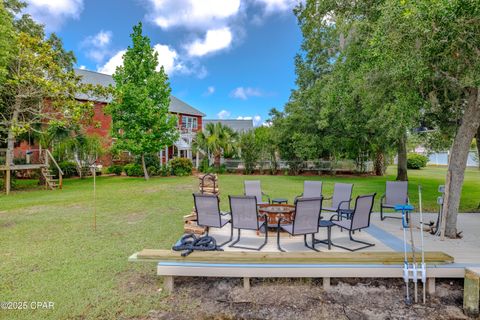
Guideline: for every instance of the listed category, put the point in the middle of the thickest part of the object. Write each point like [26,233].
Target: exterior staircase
[50,181]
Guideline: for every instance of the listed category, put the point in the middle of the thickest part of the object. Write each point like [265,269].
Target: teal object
[405,208]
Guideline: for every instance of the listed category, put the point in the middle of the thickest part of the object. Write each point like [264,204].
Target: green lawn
[48,251]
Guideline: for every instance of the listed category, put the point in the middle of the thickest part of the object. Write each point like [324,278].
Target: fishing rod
[423,266]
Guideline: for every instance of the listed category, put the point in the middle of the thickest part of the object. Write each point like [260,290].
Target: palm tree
[215,140]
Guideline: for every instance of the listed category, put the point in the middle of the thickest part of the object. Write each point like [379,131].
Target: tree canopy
[141,122]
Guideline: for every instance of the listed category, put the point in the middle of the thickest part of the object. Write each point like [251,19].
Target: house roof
[235,124]
[96,78]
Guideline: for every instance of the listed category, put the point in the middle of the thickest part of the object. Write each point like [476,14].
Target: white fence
[441,159]
[314,165]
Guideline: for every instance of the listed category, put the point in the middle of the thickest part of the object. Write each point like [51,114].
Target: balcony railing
[185,129]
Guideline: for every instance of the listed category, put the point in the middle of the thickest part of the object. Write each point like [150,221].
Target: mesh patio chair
[311,189]
[245,216]
[209,214]
[342,196]
[359,219]
[396,193]
[305,221]
[253,188]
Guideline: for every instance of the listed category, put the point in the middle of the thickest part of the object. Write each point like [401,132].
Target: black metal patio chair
[253,188]
[396,193]
[305,221]
[245,216]
[209,214]
[359,219]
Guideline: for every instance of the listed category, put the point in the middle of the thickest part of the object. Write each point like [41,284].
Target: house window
[189,122]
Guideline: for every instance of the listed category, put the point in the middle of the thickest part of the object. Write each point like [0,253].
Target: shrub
[151,160]
[13,181]
[222,169]
[152,171]
[133,170]
[69,169]
[204,165]
[181,166]
[115,169]
[416,161]
[165,170]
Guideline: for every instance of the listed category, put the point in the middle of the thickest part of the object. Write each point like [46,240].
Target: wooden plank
[471,292]
[168,283]
[330,271]
[431,286]
[232,257]
[326,283]
[23,167]
[246,283]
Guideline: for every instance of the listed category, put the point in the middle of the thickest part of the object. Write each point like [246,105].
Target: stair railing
[48,155]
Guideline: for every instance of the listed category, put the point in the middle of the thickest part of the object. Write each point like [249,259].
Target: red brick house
[189,119]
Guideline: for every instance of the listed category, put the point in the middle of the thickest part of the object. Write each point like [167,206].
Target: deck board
[235,257]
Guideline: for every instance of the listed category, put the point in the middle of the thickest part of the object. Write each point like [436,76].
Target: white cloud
[277,5]
[193,14]
[257,120]
[53,13]
[245,93]
[113,63]
[215,39]
[224,114]
[97,46]
[210,91]
[167,57]
[82,67]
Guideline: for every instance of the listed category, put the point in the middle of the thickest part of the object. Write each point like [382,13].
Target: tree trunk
[379,164]
[10,148]
[402,157]
[458,161]
[217,161]
[145,172]
[478,146]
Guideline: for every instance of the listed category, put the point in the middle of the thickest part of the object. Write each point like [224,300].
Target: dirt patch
[8,224]
[136,217]
[197,298]
[136,282]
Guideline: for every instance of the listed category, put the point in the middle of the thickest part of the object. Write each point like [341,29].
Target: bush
[13,181]
[69,169]
[165,170]
[151,160]
[152,171]
[181,166]
[133,170]
[416,161]
[115,169]
[204,165]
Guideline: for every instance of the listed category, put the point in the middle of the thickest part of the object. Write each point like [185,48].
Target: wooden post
[326,283]
[168,284]
[471,292]
[431,286]
[7,180]
[246,283]
[94,172]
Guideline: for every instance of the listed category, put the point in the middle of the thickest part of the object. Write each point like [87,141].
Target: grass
[49,252]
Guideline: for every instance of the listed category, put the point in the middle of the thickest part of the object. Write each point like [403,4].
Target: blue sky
[228,58]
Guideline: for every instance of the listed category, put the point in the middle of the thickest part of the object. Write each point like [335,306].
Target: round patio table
[275,212]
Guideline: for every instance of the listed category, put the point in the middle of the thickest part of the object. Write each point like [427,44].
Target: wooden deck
[444,259]
[304,258]
[23,167]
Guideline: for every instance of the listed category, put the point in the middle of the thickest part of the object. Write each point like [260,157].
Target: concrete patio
[387,236]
